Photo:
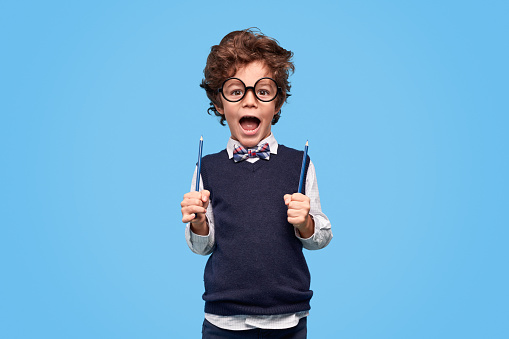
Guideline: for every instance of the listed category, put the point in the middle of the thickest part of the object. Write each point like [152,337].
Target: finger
[296,213]
[191,202]
[296,221]
[299,197]
[193,210]
[295,204]
[299,205]
[192,195]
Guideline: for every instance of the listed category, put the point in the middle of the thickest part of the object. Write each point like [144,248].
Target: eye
[236,92]
[263,92]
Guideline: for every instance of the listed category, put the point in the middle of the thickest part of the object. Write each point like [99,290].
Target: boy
[246,213]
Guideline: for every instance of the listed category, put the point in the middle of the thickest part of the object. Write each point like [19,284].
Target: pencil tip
[307,142]
[201,138]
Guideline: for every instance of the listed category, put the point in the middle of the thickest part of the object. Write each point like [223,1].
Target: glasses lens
[233,90]
[266,89]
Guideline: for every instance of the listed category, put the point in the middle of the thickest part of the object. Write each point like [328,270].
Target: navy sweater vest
[257,267]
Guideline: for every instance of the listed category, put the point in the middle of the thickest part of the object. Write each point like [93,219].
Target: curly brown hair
[238,49]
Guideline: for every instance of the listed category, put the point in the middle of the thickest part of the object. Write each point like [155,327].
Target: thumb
[205,197]
[288,198]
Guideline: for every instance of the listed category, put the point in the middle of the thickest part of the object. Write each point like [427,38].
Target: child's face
[249,119]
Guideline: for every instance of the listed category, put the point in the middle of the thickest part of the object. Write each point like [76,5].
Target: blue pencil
[303,167]
[199,165]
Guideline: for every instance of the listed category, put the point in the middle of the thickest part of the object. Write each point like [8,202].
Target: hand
[193,210]
[298,214]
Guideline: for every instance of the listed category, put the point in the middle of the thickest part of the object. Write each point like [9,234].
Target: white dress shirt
[204,245]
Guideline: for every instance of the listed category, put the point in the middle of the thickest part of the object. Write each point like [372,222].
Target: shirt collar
[270,139]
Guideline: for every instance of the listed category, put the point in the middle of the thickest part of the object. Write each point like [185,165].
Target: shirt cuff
[321,236]
[199,244]
[197,239]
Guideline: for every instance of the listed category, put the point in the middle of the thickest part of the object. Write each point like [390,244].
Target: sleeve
[201,244]
[323,233]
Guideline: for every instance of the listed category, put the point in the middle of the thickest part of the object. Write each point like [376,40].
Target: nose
[250,98]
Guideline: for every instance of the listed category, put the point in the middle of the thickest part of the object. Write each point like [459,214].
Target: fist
[193,208]
[298,213]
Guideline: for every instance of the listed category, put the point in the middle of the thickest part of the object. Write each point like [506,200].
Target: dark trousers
[300,331]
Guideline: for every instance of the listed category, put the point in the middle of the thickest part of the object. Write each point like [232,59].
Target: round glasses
[265,89]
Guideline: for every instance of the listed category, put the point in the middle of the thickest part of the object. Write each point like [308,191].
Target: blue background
[405,108]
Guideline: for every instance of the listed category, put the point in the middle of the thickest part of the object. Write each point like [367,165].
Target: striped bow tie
[240,153]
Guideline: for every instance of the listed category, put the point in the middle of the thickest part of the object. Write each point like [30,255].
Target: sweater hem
[228,309]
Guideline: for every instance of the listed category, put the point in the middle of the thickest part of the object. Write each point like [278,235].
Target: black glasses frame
[248,88]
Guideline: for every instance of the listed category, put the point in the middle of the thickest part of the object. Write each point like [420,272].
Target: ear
[219,109]
[277,109]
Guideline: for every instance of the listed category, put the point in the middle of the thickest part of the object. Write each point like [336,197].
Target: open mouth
[249,124]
